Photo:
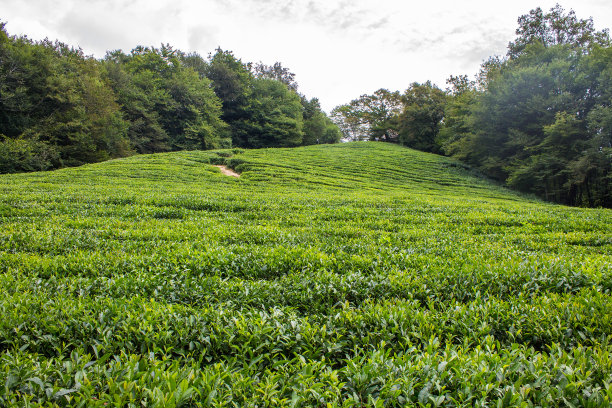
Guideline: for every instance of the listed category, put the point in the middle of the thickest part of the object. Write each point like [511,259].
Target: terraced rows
[361,274]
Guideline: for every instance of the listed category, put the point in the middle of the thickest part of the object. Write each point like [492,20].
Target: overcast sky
[338,49]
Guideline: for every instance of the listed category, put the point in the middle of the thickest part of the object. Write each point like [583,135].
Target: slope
[354,274]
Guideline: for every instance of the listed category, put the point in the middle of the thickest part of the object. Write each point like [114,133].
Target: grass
[360,274]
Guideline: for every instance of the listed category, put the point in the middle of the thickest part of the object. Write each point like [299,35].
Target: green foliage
[170,106]
[232,81]
[274,117]
[421,117]
[370,117]
[276,72]
[458,126]
[262,106]
[59,108]
[17,155]
[318,128]
[555,28]
[538,120]
[359,274]
[53,94]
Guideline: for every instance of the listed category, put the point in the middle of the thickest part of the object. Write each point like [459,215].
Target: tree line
[59,107]
[539,118]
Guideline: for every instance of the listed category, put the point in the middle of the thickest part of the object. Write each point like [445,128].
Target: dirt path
[226,171]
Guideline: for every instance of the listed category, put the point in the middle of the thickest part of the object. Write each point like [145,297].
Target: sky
[338,49]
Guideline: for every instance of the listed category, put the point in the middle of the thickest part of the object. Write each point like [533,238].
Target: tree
[540,119]
[350,125]
[170,106]
[195,62]
[421,118]
[456,130]
[544,170]
[55,101]
[139,91]
[194,118]
[592,171]
[20,154]
[232,82]
[318,128]
[519,103]
[314,121]
[370,116]
[276,72]
[332,133]
[59,107]
[274,117]
[555,28]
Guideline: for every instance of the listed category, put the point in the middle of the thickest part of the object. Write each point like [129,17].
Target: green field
[360,274]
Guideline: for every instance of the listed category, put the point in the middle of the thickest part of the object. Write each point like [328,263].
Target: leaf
[37,381]
[63,392]
[424,394]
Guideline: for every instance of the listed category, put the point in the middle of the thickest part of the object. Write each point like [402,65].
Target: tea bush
[351,275]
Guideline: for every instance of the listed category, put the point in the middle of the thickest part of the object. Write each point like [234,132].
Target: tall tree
[196,62]
[55,101]
[457,128]
[273,119]
[232,81]
[539,119]
[170,106]
[59,107]
[318,128]
[555,28]
[421,118]
[276,72]
[350,125]
[370,116]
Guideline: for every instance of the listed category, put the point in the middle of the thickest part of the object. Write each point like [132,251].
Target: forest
[537,119]
[59,107]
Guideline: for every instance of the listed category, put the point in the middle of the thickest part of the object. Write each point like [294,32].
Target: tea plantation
[352,275]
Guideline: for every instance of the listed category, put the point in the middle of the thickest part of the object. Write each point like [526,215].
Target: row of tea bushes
[360,274]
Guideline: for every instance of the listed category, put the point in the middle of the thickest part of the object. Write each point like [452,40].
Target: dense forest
[59,107]
[538,119]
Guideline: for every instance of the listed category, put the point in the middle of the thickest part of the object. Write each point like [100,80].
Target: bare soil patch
[227,171]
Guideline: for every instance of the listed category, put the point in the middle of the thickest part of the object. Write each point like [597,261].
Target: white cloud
[339,49]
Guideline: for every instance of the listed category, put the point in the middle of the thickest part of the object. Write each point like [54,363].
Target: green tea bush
[353,275]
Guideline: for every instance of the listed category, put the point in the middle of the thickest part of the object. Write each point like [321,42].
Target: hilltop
[352,275]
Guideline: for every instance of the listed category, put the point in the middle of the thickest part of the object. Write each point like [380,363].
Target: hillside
[359,274]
